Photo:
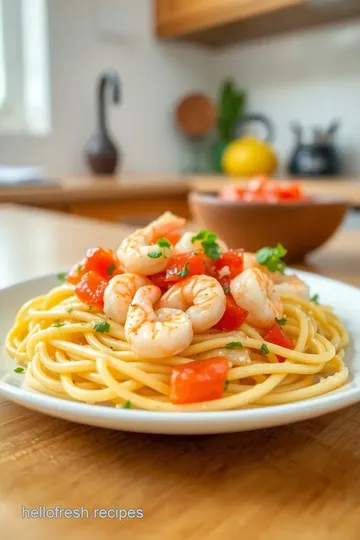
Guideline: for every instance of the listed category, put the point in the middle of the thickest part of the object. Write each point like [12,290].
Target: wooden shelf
[223,22]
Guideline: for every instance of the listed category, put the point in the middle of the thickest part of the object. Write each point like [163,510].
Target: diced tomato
[291,191]
[102,261]
[233,317]
[234,260]
[76,272]
[172,237]
[284,191]
[210,267]
[191,264]
[276,336]
[231,192]
[257,184]
[262,189]
[90,289]
[160,280]
[201,380]
[259,197]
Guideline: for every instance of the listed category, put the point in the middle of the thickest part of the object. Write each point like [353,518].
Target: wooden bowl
[301,227]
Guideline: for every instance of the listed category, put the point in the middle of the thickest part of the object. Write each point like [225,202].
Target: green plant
[231,105]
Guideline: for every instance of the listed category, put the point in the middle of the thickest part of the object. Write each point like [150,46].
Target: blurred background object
[318,157]
[191,76]
[301,226]
[195,117]
[249,155]
[230,107]
[101,152]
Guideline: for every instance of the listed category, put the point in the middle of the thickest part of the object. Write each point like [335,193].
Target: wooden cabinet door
[180,17]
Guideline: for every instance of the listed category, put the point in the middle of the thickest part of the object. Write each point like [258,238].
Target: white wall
[153,76]
[312,77]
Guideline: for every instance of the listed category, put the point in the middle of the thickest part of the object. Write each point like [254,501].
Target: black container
[318,157]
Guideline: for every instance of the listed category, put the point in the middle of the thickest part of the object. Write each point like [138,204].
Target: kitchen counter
[297,481]
[127,197]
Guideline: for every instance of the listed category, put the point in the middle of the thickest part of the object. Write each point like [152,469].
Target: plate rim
[325,403]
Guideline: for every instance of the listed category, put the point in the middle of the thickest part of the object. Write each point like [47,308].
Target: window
[2,59]
[24,73]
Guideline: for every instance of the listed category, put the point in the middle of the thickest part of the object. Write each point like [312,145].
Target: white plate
[346,300]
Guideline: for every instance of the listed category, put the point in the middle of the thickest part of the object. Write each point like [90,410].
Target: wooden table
[297,482]
[131,198]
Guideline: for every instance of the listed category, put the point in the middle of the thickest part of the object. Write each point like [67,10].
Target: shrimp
[118,294]
[185,245]
[157,334]
[291,284]
[254,291]
[202,297]
[136,252]
[239,357]
[251,262]
[284,284]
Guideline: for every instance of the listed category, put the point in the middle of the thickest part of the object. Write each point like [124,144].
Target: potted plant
[231,104]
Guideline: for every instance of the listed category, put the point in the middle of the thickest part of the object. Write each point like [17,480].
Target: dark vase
[101,151]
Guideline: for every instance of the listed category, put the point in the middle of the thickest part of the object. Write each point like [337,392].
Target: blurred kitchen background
[115,109]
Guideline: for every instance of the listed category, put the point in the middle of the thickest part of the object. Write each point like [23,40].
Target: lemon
[249,156]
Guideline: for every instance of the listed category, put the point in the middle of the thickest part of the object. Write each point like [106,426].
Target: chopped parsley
[19,370]
[264,348]
[154,254]
[226,384]
[102,327]
[62,276]
[80,268]
[90,308]
[111,269]
[127,404]
[281,322]
[69,309]
[227,290]
[209,244]
[58,324]
[315,299]
[163,244]
[271,258]
[184,271]
[233,345]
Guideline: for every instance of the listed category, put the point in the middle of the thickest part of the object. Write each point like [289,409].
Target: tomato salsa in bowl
[266,212]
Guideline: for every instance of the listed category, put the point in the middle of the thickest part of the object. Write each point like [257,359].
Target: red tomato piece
[234,259]
[160,280]
[77,272]
[291,191]
[233,317]
[257,184]
[276,336]
[285,191]
[231,192]
[102,261]
[201,380]
[190,264]
[90,289]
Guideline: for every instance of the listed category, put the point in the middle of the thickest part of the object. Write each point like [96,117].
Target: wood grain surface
[80,189]
[297,482]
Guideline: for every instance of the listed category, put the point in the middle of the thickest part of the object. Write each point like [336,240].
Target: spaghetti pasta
[58,338]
